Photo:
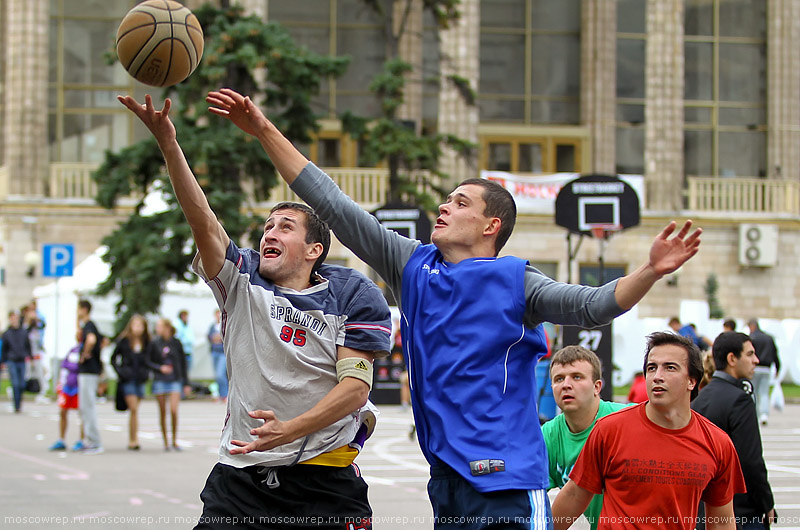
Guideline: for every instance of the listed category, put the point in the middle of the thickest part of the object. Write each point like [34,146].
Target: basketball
[160,42]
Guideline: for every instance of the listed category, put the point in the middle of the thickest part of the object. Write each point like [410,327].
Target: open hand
[157,121]
[272,434]
[667,255]
[237,108]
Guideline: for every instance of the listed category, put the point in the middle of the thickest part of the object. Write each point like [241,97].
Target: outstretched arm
[210,237]
[248,117]
[384,250]
[345,398]
[666,256]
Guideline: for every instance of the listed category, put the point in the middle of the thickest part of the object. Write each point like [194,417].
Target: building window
[530,61]
[529,154]
[548,268]
[339,28]
[590,274]
[631,44]
[84,117]
[725,88]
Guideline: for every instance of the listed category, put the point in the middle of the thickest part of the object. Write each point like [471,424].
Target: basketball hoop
[604,231]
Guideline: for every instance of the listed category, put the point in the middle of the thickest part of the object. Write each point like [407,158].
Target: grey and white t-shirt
[281,349]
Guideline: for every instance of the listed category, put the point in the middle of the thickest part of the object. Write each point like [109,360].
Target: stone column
[663,156]
[407,22]
[25,121]
[459,51]
[783,96]
[599,81]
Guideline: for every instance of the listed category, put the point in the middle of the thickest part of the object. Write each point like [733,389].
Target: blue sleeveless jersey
[471,362]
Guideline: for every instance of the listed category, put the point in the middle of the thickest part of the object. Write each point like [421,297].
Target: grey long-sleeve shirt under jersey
[388,252]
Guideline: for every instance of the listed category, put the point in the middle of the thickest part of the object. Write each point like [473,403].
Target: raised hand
[668,254]
[239,109]
[272,434]
[157,121]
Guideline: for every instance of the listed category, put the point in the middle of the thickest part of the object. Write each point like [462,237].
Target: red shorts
[67,402]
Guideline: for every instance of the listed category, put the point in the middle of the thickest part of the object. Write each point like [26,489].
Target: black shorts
[309,496]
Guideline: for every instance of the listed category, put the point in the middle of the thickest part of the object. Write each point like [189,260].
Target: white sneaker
[44,400]
[93,450]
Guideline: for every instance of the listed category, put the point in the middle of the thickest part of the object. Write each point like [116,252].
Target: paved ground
[120,489]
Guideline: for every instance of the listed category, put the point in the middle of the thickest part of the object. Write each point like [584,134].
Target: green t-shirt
[563,448]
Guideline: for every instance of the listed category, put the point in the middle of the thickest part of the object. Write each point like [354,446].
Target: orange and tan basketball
[160,42]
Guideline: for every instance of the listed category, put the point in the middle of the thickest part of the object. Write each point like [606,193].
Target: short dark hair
[725,343]
[574,353]
[674,320]
[317,230]
[500,204]
[730,323]
[693,355]
[85,304]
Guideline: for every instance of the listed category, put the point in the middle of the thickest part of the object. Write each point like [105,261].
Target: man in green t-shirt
[575,373]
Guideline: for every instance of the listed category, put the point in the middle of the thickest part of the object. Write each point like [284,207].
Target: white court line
[70,473]
[383,449]
[793,470]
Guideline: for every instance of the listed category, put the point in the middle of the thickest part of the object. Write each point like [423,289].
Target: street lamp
[32,260]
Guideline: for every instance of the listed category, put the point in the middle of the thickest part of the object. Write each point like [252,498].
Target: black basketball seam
[145,60]
[171,42]
[188,55]
[155,26]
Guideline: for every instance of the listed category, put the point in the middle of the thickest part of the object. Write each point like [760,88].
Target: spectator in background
[656,440]
[130,362]
[218,357]
[39,370]
[727,401]
[89,369]
[767,354]
[577,378]
[729,325]
[67,391]
[638,392]
[690,331]
[168,362]
[15,349]
[185,334]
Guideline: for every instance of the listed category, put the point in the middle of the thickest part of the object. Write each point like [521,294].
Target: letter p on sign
[58,260]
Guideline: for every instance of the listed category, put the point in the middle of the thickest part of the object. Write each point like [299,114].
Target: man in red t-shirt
[655,462]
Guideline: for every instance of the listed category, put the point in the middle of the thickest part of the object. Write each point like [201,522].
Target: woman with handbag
[130,362]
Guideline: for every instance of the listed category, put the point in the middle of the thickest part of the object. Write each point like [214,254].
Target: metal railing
[751,195]
[72,181]
[366,186]
[369,186]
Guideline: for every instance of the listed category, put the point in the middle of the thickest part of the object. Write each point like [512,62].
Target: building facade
[701,97]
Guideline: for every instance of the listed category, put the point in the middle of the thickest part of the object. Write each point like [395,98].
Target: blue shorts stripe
[541,515]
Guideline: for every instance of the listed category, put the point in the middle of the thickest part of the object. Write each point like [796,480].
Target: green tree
[712,288]
[395,141]
[146,251]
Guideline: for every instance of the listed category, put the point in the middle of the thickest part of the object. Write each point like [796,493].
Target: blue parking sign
[58,260]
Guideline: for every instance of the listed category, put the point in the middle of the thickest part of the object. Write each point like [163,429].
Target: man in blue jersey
[470,323]
[299,338]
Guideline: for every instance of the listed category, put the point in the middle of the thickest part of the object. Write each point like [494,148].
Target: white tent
[58,300]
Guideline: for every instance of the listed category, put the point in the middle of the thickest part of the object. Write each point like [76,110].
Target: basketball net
[603,232]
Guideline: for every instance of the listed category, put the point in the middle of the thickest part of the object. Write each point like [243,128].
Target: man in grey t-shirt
[299,337]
